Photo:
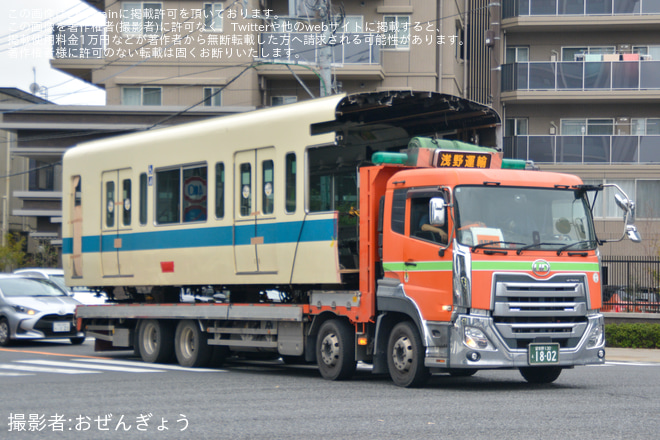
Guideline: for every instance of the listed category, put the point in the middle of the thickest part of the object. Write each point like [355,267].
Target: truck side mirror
[437,211]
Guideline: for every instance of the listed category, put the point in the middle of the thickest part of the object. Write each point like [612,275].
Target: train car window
[143,199]
[267,192]
[290,182]
[168,188]
[77,198]
[246,189]
[219,190]
[110,204]
[194,194]
[126,197]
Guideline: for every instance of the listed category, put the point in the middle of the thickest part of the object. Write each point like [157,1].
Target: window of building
[397,35]
[219,190]
[581,127]
[141,18]
[517,54]
[212,96]
[349,24]
[645,126]
[516,127]
[281,100]
[649,52]
[291,182]
[42,175]
[141,95]
[143,198]
[578,53]
[648,199]
[213,17]
[181,195]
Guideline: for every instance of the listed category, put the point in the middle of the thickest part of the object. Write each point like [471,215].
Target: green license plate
[543,354]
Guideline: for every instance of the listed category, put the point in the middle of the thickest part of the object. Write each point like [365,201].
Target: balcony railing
[83,42]
[517,8]
[584,149]
[581,75]
[303,48]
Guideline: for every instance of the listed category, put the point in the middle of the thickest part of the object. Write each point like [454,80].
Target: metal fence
[631,284]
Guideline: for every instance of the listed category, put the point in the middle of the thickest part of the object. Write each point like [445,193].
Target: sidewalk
[632,354]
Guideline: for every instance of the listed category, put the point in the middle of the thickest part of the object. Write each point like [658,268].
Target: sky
[25,44]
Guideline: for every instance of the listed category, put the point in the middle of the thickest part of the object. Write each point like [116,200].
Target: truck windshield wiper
[563,248]
[533,245]
[491,243]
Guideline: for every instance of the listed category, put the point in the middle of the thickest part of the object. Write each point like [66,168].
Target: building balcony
[354,55]
[568,77]
[590,149]
[582,15]
[517,8]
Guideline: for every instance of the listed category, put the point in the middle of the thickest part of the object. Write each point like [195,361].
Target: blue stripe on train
[273,233]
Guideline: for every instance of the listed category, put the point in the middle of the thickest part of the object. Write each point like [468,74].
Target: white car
[81,294]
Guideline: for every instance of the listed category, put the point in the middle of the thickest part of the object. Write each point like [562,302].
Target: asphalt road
[70,393]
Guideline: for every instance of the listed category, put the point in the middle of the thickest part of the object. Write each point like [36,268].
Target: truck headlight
[476,339]
[595,336]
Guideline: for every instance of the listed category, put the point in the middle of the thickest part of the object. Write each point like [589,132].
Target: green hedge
[632,335]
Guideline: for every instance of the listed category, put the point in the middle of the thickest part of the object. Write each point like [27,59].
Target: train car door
[116,221]
[254,211]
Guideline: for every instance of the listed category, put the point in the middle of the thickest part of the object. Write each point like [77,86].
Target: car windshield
[59,280]
[17,287]
[523,218]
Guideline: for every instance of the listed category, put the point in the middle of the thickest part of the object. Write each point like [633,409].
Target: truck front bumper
[497,354]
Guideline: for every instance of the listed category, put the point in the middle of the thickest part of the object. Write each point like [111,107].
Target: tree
[12,254]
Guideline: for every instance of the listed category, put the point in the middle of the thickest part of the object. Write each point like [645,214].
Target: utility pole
[325,52]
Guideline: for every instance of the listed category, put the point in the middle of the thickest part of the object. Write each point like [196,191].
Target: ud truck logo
[541,268]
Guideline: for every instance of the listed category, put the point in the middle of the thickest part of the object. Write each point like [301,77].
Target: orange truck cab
[496,265]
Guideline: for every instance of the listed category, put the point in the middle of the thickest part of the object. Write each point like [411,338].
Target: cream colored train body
[228,201]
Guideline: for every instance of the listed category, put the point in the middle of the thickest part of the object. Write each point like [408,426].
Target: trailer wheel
[190,345]
[155,341]
[405,357]
[540,375]
[335,350]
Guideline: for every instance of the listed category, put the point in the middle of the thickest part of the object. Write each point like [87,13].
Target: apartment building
[580,93]
[575,81]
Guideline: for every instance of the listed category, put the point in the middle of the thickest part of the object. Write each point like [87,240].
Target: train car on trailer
[293,229]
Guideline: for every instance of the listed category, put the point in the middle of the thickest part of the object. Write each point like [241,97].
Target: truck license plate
[543,354]
[62,326]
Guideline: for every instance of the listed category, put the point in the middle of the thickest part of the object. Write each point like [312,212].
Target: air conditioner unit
[578,57]
[645,57]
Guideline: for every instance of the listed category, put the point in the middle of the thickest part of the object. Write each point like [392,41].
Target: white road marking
[92,366]
[45,369]
[147,365]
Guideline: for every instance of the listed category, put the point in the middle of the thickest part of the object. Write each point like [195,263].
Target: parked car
[623,299]
[36,308]
[82,294]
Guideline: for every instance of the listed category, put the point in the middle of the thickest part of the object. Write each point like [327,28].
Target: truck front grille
[527,310]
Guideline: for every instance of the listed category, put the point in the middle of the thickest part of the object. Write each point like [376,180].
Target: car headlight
[595,336]
[26,310]
[476,339]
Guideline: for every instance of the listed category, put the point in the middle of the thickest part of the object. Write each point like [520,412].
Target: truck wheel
[540,375]
[335,350]
[190,345]
[5,334]
[405,356]
[155,341]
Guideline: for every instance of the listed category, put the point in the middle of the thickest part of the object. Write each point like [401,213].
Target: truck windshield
[523,218]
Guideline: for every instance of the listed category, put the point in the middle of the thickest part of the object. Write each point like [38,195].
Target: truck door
[254,211]
[116,222]
[427,271]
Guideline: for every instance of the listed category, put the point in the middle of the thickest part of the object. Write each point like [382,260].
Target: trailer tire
[190,345]
[156,341]
[335,350]
[540,375]
[405,356]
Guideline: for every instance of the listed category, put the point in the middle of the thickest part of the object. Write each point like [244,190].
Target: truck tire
[540,375]
[335,350]
[405,356]
[156,341]
[190,345]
